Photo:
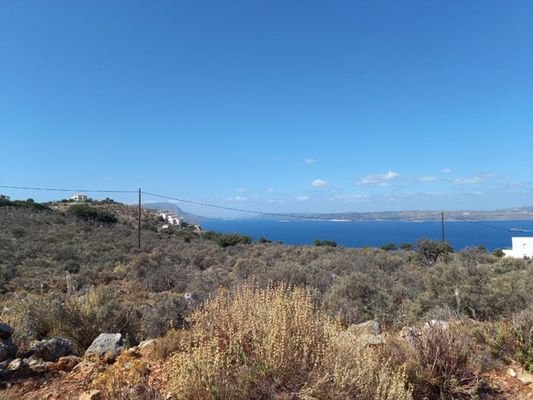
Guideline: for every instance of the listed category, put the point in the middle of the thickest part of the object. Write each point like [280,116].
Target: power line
[197,203]
[482,224]
[242,210]
[66,190]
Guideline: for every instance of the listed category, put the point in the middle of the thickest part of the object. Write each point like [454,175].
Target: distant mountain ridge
[506,214]
[517,213]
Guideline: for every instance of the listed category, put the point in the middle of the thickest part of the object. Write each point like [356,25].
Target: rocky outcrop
[52,349]
[106,346]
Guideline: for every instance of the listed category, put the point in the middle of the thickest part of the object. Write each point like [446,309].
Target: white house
[79,197]
[171,218]
[522,248]
[4,197]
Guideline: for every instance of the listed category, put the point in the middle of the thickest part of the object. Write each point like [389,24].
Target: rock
[368,327]
[92,395]
[52,349]
[5,331]
[367,333]
[147,348]
[67,363]
[39,366]
[511,372]
[107,346]
[18,366]
[371,340]
[7,349]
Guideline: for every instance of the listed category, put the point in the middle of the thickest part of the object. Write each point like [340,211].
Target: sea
[460,234]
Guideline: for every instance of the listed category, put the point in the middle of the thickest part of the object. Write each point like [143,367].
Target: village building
[171,218]
[4,197]
[522,248]
[79,197]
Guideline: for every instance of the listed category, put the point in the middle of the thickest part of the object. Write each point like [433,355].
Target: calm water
[492,235]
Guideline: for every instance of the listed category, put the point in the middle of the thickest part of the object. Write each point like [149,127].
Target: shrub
[258,343]
[510,339]
[498,253]
[227,239]
[445,362]
[326,243]
[127,379]
[389,247]
[432,250]
[92,214]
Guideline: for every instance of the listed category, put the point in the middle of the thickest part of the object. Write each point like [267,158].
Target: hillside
[62,276]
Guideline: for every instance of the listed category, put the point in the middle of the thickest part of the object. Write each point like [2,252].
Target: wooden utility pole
[442,224]
[139,223]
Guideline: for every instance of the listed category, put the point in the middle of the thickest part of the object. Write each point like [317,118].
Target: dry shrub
[80,318]
[127,379]
[510,339]
[443,363]
[256,343]
[350,370]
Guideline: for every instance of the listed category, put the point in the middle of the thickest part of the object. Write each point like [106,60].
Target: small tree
[431,250]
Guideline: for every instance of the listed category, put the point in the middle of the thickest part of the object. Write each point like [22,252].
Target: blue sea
[491,234]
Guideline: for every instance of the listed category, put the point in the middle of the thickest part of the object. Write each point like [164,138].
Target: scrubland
[242,320]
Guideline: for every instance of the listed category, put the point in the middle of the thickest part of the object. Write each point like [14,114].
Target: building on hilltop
[522,248]
[4,197]
[171,218]
[79,197]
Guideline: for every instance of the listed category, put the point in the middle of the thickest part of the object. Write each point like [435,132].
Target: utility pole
[139,223]
[442,224]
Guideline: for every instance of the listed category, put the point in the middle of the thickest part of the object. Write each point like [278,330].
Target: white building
[171,218]
[4,197]
[79,197]
[522,248]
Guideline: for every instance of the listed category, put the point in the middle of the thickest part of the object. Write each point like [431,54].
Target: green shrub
[325,243]
[92,214]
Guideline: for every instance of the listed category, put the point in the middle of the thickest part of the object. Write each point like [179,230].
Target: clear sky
[271,105]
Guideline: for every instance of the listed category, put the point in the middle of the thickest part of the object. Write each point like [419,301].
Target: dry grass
[127,379]
[259,343]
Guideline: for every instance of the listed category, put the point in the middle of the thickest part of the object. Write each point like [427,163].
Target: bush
[498,253]
[326,243]
[509,340]
[92,214]
[432,250]
[258,343]
[445,363]
[227,239]
[389,247]
[127,379]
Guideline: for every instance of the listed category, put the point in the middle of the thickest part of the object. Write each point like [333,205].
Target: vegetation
[92,214]
[325,243]
[287,330]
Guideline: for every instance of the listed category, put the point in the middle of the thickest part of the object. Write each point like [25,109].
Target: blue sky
[271,105]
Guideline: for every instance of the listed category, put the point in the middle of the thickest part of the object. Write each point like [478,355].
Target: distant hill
[508,214]
[173,207]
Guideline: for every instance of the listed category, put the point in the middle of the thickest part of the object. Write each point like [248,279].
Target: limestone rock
[52,349]
[67,363]
[18,366]
[368,327]
[106,346]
